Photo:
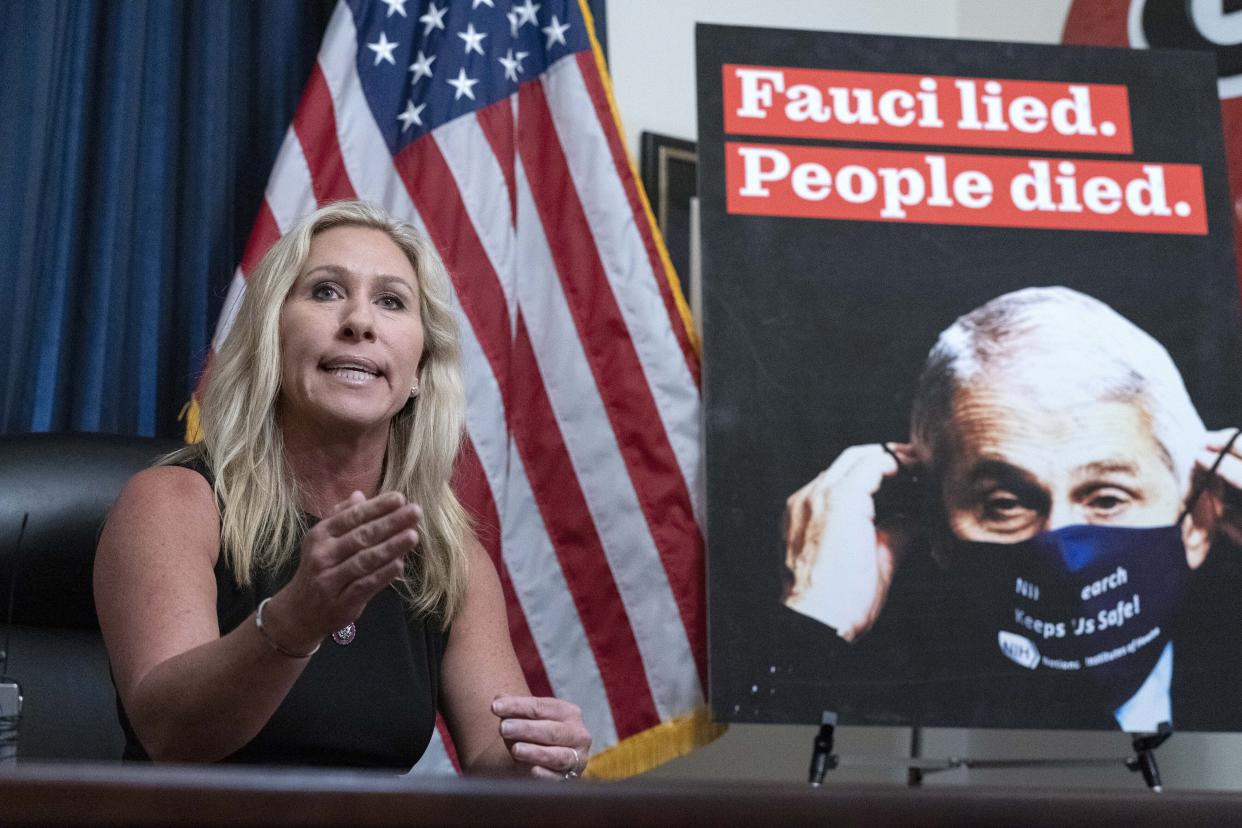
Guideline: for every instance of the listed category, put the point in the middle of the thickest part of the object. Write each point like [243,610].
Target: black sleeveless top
[371,703]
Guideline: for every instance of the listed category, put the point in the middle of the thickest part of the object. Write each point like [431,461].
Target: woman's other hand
[544,734]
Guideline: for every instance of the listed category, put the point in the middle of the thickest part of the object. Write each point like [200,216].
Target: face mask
[1086,611]
[1088,607]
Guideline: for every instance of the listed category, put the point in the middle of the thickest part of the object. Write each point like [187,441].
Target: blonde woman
[302,587]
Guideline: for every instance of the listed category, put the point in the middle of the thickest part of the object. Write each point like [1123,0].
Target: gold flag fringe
[655,746]
[189,414]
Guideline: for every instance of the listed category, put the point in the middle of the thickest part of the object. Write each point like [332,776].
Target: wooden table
[93,795]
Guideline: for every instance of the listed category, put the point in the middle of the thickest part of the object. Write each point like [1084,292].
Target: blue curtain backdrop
[135,141]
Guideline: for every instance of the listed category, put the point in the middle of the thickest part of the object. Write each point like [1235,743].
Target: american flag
[490,126]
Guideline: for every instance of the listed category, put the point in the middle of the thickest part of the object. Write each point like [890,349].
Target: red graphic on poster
[954,188]
[938,110]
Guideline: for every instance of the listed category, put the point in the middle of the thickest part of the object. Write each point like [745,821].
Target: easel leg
[1144,759]
[914,775]
[822,757]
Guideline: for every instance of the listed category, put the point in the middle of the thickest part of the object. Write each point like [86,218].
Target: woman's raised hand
[346,560]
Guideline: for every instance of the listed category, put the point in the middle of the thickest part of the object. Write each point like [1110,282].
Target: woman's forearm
[208,702]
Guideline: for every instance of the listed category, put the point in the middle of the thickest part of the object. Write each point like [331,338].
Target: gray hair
[1062,345]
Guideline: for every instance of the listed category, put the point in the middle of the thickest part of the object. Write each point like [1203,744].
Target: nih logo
[1018,649]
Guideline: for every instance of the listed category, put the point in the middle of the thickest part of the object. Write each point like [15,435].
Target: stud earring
[414,389]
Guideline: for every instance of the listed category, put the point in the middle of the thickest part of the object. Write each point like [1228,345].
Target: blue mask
[1091,604]
[1088,609]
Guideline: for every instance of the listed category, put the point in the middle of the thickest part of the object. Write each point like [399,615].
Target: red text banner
[926,109]
[977,190]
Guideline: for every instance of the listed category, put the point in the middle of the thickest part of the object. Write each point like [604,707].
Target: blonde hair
[260,522]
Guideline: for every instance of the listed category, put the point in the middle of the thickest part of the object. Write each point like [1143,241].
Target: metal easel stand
[823,759]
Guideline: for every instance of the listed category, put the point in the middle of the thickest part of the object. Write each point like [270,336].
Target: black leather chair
[65,483]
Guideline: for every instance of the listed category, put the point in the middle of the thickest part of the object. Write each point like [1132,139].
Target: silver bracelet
[258,622]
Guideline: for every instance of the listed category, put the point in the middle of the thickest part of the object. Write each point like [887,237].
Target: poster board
[835,252]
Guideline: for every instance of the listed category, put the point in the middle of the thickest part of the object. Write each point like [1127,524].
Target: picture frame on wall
[669,169]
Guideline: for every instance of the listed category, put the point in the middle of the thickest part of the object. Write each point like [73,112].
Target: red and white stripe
[582,463]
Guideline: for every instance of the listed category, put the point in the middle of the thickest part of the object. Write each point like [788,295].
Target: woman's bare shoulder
[164,504]
[154,583]
[178,481]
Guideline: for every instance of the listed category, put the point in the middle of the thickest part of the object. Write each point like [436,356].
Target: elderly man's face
[1019,467]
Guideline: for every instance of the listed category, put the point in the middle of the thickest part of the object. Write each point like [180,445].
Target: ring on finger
[573,771]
